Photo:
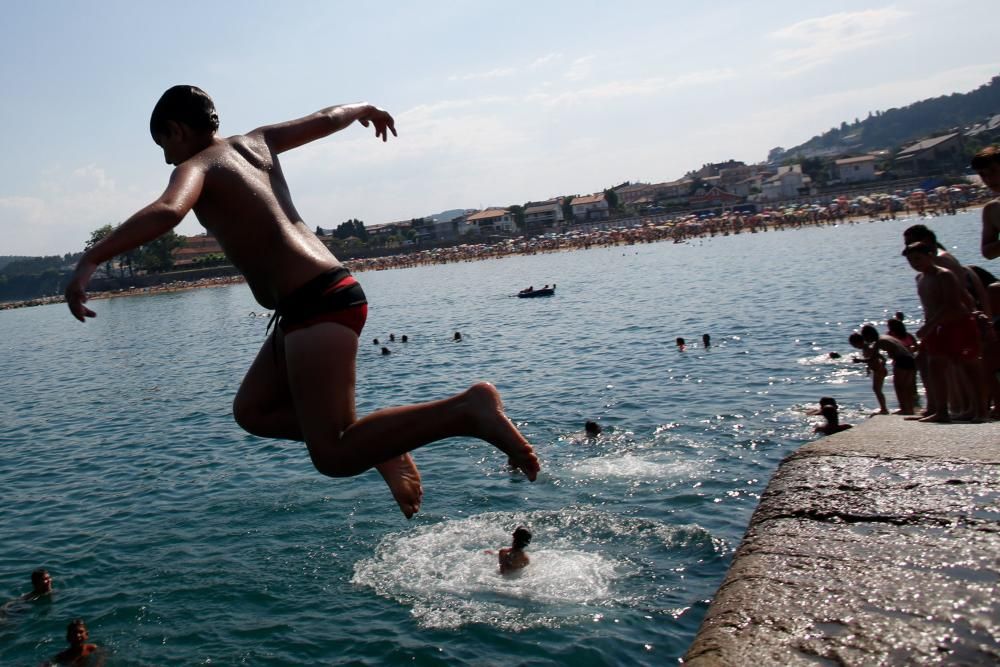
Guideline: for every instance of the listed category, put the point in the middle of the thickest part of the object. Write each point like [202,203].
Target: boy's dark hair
[986,157]
[856,339]
[522,537]
[184,104]
[828,400]
[830,412]
[918,233]
[924,247]
[869,333]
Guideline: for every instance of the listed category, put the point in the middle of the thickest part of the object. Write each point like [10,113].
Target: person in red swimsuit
[301,385]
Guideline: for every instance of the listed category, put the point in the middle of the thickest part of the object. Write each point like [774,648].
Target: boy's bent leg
[263,406]
[321,374]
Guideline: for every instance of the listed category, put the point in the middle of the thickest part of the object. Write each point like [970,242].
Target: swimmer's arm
[991,230]
[294,133]
[145,225]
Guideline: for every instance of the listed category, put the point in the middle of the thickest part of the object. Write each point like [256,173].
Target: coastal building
[635,193]
[590,207]
[543,216]
[491,221]
[931,156]
[195,248]
[856,169]
[713,197]
[788,183]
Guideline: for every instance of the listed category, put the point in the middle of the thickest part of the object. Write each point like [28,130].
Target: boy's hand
[75,298]
[76,294]
[383,123]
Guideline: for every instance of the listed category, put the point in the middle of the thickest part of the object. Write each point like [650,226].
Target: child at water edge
[876,368]
[904,367]
[301,384]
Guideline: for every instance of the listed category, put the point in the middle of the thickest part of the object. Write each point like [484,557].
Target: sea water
[182,540]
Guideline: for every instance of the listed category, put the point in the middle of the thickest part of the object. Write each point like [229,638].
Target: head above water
[41,581]
[827,400]
[185,104]
[592,428]
[522,537]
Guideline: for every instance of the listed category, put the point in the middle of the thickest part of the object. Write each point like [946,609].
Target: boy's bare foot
[493,426]
[936,419]
[403,479]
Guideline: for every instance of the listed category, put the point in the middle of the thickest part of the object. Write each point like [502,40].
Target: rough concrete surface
[875,546]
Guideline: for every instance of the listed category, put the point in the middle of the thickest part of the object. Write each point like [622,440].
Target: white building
[590,207]
[856,169]
[543,215]
[789,182]
[492,221]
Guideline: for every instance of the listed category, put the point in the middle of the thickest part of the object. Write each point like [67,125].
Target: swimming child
[301,384]
[832,416]
[591,428]
[513,557]
[681,346]
[79,651]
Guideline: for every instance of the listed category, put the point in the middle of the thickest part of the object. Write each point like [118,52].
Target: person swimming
[513,558]
[592,429]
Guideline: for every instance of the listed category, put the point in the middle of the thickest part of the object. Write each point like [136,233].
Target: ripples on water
[181,539]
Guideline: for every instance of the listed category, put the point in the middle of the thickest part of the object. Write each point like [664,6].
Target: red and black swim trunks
[333,296]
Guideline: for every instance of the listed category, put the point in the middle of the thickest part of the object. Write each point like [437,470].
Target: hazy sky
[495,103]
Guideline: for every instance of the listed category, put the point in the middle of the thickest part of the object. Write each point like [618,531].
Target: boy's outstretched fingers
[75,299]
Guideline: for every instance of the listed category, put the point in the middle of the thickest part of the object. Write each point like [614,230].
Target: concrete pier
[875,546]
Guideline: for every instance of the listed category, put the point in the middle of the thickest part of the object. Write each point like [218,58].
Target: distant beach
[607,233]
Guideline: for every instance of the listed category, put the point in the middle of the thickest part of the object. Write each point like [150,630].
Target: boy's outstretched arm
[294,133]
[158,218]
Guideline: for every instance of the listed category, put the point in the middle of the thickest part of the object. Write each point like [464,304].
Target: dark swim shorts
[904,362]
[334,296]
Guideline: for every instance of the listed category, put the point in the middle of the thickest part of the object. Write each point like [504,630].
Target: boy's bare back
[245,203]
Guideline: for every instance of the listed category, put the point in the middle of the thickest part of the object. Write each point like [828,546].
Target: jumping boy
[301,385]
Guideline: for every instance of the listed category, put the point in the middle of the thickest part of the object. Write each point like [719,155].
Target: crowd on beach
[649,229]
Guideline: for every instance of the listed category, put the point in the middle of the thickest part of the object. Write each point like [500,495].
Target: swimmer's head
[76,632]
[592,428]
[827,400]
[41,581]
[189,105]
[680,342]
[830,413]
[856,340]
[522,537]
[869,333]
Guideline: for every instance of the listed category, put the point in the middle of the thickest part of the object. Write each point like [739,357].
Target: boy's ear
[176,130]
